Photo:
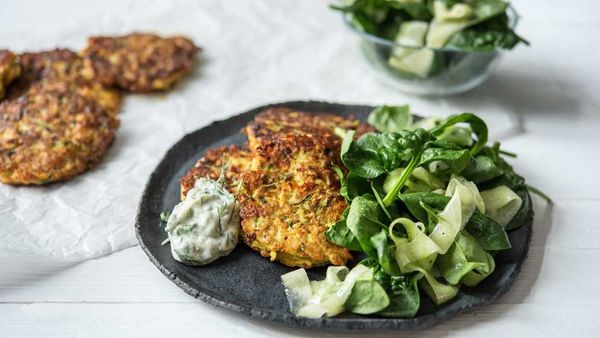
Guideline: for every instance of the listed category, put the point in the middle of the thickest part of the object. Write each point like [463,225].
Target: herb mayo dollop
[205,226]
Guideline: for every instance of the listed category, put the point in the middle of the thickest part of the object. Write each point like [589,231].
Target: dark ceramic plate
[248,283]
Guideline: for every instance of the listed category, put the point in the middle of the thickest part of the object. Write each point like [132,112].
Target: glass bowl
[455,71]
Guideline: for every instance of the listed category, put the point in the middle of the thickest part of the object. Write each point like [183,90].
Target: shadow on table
[533,94]
[27,269]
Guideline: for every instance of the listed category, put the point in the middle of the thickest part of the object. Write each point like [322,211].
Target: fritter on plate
[52,133]
[291,198]
[10,69]
[237,161]
[139,62]
[291,195]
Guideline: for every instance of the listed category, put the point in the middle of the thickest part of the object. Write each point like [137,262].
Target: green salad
[430,204]
[424,30]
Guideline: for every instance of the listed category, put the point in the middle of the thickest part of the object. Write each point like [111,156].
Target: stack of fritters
[58,111]
[286,184]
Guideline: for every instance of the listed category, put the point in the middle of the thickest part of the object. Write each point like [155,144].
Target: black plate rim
[340,324]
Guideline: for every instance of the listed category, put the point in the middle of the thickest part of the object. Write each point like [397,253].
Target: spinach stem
[539,193]
[378,198]
[507,153]
[393,194]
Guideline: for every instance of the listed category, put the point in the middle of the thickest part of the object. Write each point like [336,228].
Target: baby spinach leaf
[385,249]
[477,125]
[374,154]
[390,118]
[339,234]
[465,262]
[367,297]
[457,135]
[482,169]
[368,224]
[413,143]
[354,186]
[488,233]
[485,40]
[378,153]
[508,178]
[414,201]
[457,160]
[367,15]
[382,17]
[365,220]
[402,291]
[404,296]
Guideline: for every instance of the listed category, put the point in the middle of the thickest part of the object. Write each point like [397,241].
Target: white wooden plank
[125,276]
[201,320]
[560,166]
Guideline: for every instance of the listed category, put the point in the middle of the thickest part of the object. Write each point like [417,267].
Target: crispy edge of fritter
[293,165]
[66,134]
[237,160]
[139,62]
[10,69]
[281,120]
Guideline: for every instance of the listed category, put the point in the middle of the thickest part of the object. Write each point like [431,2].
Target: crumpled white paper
[255,52]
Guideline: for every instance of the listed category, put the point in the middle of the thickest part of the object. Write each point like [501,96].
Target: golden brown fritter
[52,133]
[10,69]
[237,161]
[291,195]
[291,198]
[54,123]
[139,62]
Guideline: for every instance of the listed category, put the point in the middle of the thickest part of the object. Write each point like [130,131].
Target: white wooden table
[543,100]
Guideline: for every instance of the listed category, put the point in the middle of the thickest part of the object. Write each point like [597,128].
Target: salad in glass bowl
[433,47]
